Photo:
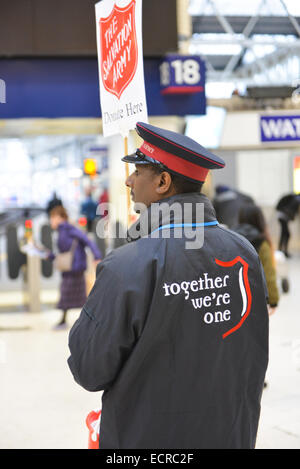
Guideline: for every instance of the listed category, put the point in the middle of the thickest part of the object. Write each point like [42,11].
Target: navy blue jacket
[178,340]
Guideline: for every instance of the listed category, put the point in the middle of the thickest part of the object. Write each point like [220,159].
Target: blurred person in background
[54,202]
[104,199]
[252,226]
[287,208]
[89,209]
[227,203]
[73,292]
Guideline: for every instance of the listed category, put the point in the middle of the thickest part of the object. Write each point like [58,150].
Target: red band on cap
[175,163]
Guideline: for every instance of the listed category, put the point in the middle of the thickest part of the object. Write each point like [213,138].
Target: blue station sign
[181,74]
[283,128]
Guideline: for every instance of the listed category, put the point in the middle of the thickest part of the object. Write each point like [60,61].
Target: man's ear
[164,183]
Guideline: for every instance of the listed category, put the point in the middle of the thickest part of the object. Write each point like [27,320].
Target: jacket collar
[192,207]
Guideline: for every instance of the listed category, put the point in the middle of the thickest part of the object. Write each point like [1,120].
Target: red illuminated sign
[297,162]
[28,224]
[82,221]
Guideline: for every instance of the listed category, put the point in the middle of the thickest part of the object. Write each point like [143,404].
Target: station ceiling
[274,25]
[255,42]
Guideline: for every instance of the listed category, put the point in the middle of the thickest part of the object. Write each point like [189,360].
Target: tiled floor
[42,407]
[280,414]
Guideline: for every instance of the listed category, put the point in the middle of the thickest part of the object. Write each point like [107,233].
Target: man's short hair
[180,183]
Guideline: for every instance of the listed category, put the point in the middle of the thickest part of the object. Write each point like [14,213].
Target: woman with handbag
[71,261]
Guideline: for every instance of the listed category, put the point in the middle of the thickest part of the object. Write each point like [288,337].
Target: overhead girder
[246,32]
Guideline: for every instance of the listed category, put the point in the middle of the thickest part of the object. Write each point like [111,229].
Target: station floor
[41,406]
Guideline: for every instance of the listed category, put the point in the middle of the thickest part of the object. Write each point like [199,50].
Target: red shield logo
[244,289]
[119,51]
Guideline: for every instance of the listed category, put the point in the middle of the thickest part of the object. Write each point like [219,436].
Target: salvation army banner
[120,65]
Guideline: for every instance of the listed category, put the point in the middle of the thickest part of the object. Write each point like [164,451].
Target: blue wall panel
[50,88]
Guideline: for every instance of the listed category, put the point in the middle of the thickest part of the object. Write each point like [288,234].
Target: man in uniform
[175,331]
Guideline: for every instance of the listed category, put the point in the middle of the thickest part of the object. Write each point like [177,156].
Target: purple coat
[66,234]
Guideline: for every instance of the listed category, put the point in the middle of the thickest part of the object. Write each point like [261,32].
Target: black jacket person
[175,330]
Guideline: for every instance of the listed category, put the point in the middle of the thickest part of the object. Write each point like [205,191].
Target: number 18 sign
[182,74]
